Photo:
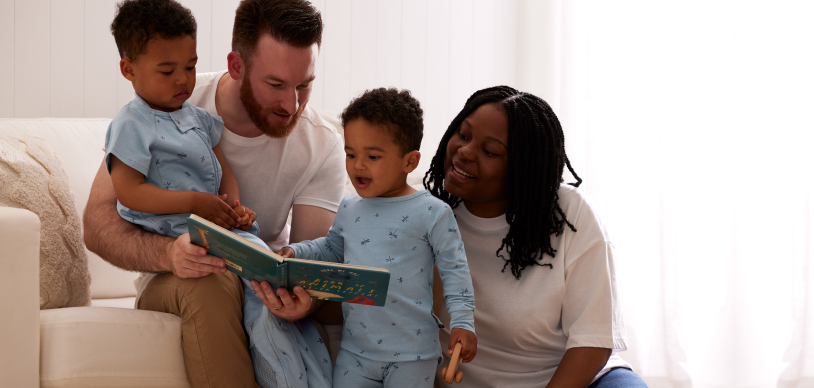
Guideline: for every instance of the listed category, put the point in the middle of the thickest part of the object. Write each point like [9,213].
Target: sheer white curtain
[691,123]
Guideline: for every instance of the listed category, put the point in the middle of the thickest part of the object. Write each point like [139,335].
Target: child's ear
[411,160]
[126,67]
[235,65]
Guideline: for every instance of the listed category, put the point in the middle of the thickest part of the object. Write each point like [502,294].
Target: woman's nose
[467,152]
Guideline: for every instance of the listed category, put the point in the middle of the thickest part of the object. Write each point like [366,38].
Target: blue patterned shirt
[173,150]
[405,235]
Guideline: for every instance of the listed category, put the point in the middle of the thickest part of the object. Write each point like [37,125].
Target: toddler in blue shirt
[161,152]
[391,225]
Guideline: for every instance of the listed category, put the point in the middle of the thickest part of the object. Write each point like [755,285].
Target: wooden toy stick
[449,372]
[241,211]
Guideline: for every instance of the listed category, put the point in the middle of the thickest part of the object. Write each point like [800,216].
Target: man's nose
[290,101]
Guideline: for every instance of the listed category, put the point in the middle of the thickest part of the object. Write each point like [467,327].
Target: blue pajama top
[173,150]
[405,235]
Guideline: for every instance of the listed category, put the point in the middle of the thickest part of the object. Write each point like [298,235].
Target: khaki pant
[215,350]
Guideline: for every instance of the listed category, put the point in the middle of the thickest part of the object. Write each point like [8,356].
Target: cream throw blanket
[31,177]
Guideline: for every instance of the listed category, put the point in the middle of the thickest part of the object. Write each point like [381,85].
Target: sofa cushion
[110,347]
[79,145]
[31,177]
[123,303]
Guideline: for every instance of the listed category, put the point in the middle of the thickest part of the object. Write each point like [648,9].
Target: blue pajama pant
[353,371]
[284,354]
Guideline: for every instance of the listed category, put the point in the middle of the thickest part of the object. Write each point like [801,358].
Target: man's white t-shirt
[525,326]
[304,168]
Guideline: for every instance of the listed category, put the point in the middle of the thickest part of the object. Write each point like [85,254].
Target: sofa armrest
[20,302]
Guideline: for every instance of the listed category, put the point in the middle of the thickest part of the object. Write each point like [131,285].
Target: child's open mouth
[362,182]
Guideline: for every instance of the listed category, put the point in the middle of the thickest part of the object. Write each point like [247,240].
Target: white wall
[59,58]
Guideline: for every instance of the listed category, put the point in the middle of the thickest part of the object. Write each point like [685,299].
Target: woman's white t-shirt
[525,326]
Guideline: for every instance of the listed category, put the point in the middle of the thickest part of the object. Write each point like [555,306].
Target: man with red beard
[285,159]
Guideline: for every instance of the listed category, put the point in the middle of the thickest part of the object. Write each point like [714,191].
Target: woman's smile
[461,172]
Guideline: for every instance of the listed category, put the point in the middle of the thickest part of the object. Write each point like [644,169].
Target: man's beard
[261,117]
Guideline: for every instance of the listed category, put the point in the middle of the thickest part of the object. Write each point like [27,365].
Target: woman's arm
[579,366]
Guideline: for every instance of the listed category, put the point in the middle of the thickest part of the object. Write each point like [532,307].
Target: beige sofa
[107,344]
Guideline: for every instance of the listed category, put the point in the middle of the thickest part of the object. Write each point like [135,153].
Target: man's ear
[126,67]
[411,160]
[236,65]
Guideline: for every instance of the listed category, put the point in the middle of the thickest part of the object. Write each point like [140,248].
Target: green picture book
[323,280]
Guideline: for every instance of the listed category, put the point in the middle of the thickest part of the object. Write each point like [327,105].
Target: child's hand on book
[469,343]
[247,216]
[214,208]
[286,252]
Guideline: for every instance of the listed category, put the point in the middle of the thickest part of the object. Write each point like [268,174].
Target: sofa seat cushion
[124,303]
[110,347]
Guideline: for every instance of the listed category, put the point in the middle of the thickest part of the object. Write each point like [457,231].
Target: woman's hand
[284,305]
[469,343]
[215,209]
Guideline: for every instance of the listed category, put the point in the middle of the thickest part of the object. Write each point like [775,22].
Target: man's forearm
[115,240]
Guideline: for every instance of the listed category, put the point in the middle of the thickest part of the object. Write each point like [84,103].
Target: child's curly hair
[138,21]
[396,111]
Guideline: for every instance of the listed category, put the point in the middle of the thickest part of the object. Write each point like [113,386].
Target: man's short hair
[396,111]
[293,22]
[138,21]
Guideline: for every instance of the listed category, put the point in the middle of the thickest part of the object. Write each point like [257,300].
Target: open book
[323,280]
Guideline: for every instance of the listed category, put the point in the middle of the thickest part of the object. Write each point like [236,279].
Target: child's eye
[166,72]
[461,135]
[488,153]
[372,157]
[350,156]
[275,85]
[191,68]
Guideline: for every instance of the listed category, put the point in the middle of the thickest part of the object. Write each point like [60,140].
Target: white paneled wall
[7,14]
[59,58]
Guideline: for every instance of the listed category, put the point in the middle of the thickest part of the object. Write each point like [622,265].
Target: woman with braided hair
[553,319]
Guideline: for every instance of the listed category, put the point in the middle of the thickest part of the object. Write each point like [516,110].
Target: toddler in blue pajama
[163,158]
[391,225]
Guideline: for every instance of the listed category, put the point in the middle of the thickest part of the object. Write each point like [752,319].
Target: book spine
[282,274]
